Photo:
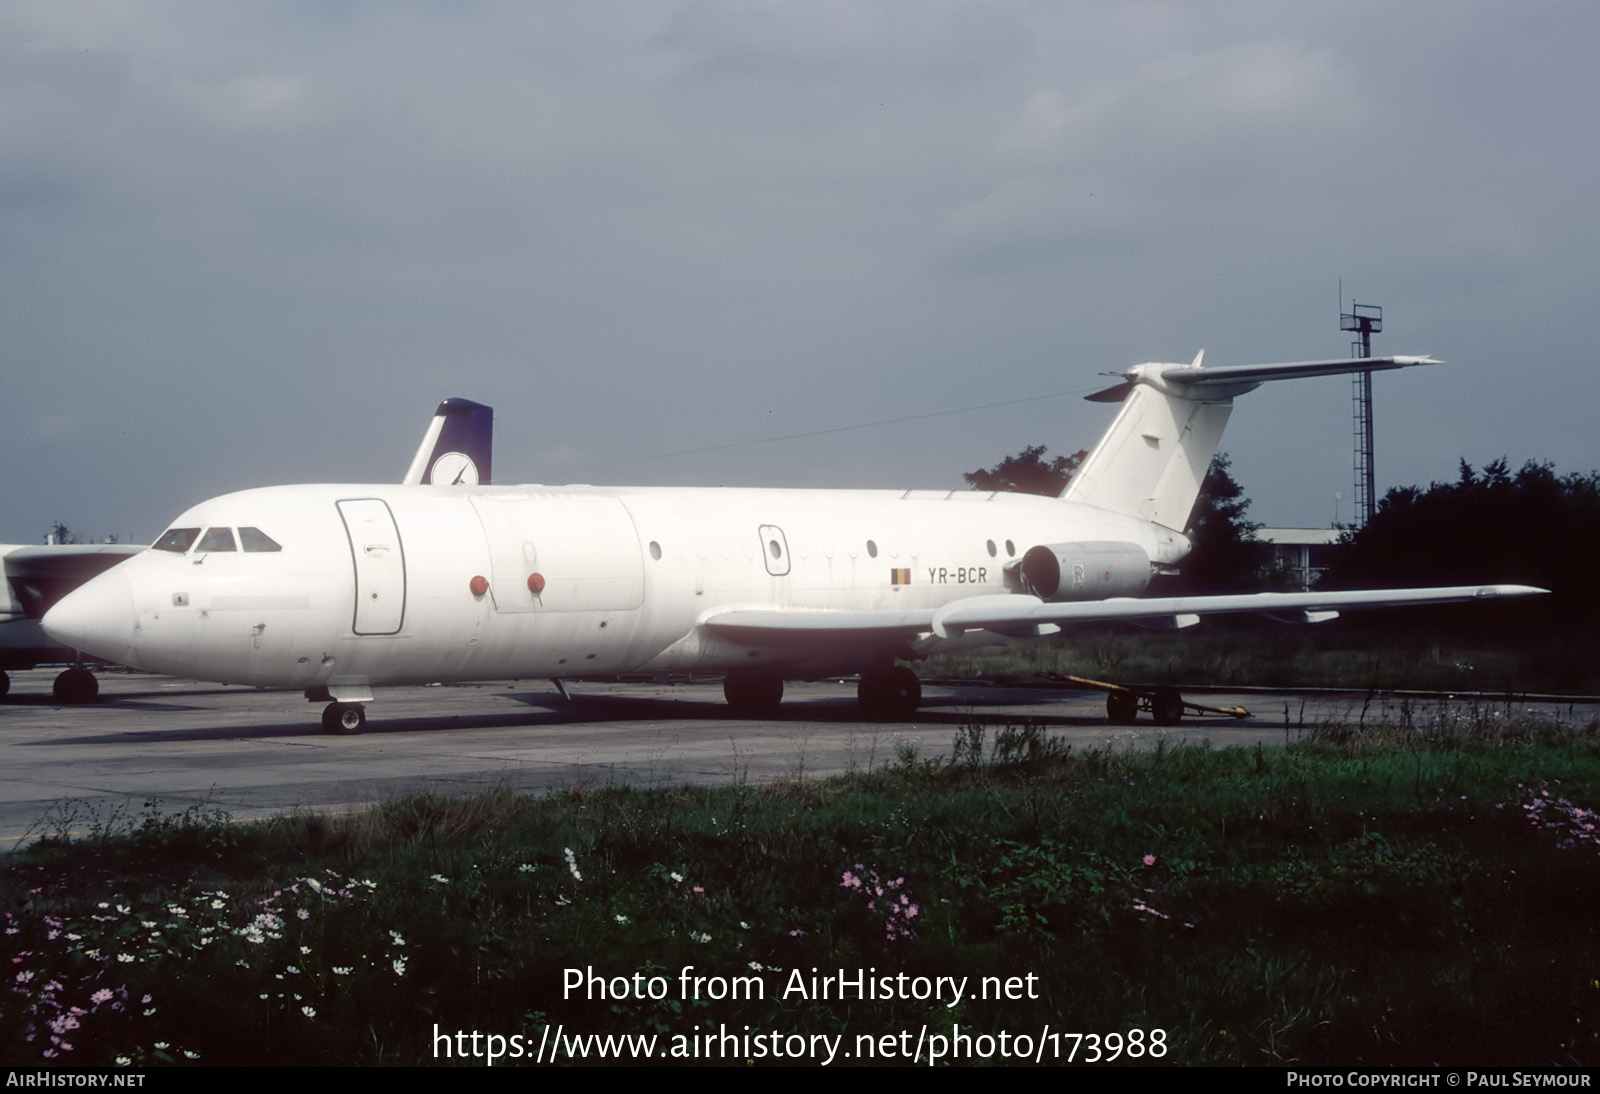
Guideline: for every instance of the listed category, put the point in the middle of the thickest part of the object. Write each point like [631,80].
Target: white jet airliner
[339,589]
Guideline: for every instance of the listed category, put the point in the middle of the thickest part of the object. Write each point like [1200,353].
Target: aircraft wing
[52,560]
[40,575]
[1014,613]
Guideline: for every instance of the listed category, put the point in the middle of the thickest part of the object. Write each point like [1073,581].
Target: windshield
[177,540]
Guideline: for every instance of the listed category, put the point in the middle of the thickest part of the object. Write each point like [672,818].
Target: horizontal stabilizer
[1197,376]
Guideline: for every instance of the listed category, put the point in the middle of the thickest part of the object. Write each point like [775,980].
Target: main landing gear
[893,692]
[890,692]
[753,693]
[344,717]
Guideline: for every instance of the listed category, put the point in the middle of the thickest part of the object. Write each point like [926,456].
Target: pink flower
[1149,860]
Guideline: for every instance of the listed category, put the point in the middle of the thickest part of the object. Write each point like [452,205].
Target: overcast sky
[248,244]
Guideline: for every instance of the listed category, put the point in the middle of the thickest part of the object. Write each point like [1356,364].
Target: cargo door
[557,553]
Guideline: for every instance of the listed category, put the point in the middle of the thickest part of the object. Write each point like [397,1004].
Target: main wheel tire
[1122,708]
[344,718]
[1167,707]
[753,693]
[76,685]
[895,692]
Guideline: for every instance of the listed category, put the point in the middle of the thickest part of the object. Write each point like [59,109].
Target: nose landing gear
[344,717]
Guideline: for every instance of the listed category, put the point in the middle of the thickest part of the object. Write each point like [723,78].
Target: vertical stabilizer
[457,448]
[1153,460]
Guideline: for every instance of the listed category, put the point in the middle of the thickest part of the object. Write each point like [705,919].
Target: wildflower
[101,996]
[398,941]
[677,877]
[1149,860]
[342,970]
[399,966]
[699,889]
[302,914]
[527,868]
[124,1061]
[622,920]
[797,933]
[572,864]
[309,1011]
[441,879]
[702,937]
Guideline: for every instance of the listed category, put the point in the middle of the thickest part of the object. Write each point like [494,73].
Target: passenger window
[217,539]
[176,540]
[254,539]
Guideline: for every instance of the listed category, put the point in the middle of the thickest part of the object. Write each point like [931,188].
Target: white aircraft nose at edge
[338,589]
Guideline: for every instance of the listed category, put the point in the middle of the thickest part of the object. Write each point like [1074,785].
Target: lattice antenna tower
[1364,320]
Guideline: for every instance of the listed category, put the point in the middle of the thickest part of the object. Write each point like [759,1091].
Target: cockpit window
[254,539]
[217,539]
[176,540]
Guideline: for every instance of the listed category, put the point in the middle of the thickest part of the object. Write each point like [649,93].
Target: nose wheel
[344,718]
[76,685]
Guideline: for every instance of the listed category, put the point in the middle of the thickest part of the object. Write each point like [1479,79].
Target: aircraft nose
[97,617]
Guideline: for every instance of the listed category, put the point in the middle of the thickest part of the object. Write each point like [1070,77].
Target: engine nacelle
[1085,571]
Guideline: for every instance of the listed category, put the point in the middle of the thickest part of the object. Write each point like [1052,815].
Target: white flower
[309,1011]
[441,879]
[572,864]
[622,919]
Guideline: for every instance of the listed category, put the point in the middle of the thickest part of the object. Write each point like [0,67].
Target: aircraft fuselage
[404,585]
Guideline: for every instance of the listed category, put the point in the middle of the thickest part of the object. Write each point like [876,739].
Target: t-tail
[1153,460]
[457,447]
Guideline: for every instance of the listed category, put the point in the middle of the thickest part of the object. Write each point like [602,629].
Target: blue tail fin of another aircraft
[457,448]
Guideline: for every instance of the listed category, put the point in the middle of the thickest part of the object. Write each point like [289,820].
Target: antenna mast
[1364,320]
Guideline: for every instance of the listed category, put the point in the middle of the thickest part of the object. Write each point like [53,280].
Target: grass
[1391,894]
